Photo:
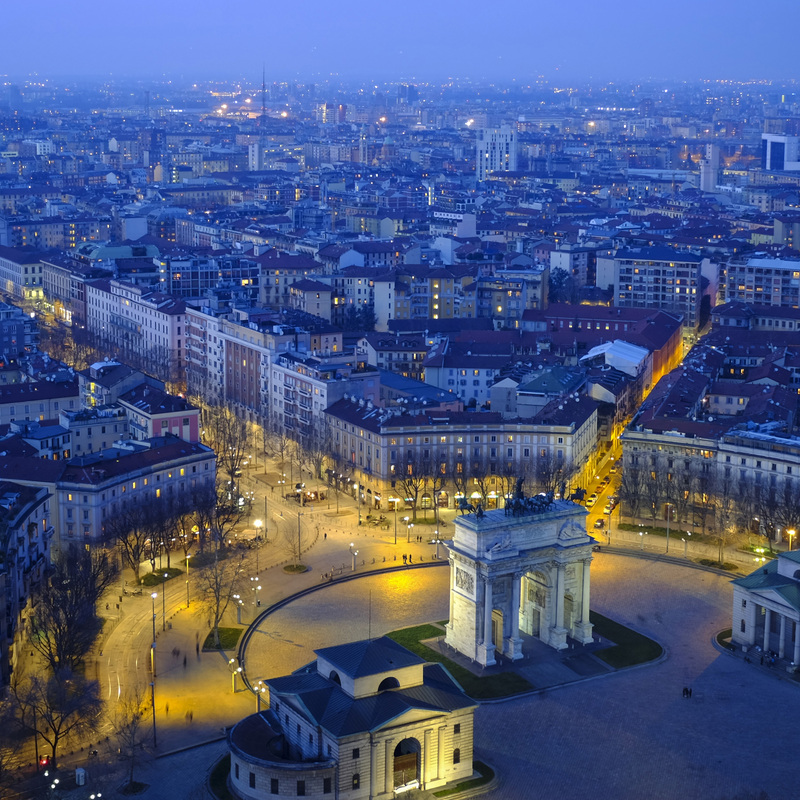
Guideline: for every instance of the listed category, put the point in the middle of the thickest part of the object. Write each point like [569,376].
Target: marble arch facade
[511,575]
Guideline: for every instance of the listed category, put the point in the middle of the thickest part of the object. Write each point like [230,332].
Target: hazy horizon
[623,41]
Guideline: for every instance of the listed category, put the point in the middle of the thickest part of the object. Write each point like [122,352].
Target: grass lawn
[501,685]
[295,569]
[710,562]
[228,639]
[630,647]
[157,578]
[486,774]
[218,780]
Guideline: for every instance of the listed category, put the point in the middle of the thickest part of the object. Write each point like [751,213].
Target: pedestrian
[106,606]
[191,716]
[404,558]
[690,692]
[184,662]
[166,709]
[685,692]
[410,558]
[197,649]
[762,661]
[324,535]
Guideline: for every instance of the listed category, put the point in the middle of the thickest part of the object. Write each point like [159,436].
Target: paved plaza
[625,735]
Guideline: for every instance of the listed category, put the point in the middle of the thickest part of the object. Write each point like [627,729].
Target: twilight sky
[310,39]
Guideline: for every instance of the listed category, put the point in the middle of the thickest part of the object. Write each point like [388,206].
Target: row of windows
[274,784]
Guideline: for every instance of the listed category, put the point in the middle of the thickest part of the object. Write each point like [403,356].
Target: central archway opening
[407,764]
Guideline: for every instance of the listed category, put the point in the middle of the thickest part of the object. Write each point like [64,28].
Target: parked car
[600,523]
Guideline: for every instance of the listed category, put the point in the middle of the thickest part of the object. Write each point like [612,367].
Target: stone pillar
[440,753]
[583,628]
[486,650]
[767,626]
[796,658]
[558,633]
[781,644]
[388,768]
[425,767]
[513,645]
[374,783]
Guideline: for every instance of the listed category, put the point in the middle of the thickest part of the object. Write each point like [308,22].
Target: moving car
[600,523]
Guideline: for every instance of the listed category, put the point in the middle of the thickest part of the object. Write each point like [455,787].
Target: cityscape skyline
[687,43]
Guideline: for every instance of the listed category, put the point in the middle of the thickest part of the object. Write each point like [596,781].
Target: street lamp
[258,524]
[188,556]
[254,587]
[353,554]
[409,526]
[259,689]
[436,534]
[238,608]
[395,500]
[790,534]
[234,673]
[164,603]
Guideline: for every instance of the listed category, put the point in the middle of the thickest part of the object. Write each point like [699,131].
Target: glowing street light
[790,534]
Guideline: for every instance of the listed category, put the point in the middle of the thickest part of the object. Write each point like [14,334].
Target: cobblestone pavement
[633,735]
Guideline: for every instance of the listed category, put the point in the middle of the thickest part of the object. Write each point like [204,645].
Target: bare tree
[58,706]
[229,437]
[130,529]
[64,621]
[219,579]
[631,485]
[295,538]
[411,478]
[279,444]
[684,480]
[550,471]
[131,733]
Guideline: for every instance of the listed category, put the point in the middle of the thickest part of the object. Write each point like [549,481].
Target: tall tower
[363,148]
[496,151]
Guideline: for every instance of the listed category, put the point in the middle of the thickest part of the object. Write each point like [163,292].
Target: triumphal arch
[521,569]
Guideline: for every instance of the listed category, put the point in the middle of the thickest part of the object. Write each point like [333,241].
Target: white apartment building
[139,322]
[496,151]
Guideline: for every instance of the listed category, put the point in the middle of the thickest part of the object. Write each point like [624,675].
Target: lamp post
[409,526]
[234,673]
[153,702]
[258,524]
[395,519]
[790,534]
[353,554]
[259,689]
[153,648]
[436,534]
[188,556]
[254,587]
[238,609]
[266,520]
[164,603]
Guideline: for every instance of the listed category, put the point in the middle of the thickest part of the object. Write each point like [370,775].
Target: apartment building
[21,273]
[656,278]
[377,446]
[761,281]
[26,532]
[139,322]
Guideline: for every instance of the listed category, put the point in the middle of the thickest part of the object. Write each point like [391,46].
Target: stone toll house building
[367,719]
[513,575]
[766,608]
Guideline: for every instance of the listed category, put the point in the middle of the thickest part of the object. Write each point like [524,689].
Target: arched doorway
[407,764]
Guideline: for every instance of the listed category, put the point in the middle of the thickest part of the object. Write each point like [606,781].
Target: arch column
[558,633]
[486,649]
[513,645]
[583,628]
